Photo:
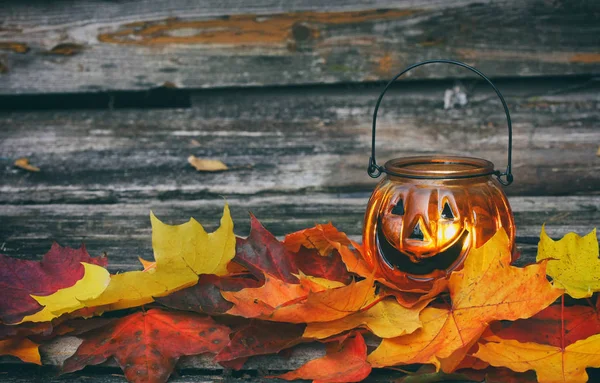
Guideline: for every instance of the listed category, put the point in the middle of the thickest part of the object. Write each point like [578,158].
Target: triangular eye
[447,212]
[399,208]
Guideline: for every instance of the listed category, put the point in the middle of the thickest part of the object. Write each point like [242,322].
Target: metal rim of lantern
[374,170]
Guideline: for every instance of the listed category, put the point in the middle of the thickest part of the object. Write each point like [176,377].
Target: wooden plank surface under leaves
[93,45]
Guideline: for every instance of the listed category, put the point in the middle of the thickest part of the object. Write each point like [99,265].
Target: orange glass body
[424,218]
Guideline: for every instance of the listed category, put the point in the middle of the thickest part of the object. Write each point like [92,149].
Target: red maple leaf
[330,266]
[59,268]
[546,327]
[147,345]
[25,329]
[262,253]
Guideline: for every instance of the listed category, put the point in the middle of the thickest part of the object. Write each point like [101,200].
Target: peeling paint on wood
[226,43]
[242,29]
[547,57]
[588,58]
[14,47]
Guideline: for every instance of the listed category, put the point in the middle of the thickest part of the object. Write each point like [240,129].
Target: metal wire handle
[376,170]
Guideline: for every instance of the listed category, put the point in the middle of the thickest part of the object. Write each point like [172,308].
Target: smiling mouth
[401,261]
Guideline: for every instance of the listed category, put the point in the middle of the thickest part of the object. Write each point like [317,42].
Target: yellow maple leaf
[147,264]
[573,262]
[386,319]
[204,253]
[21,348]
[551,364]
[182,252]
[94,282]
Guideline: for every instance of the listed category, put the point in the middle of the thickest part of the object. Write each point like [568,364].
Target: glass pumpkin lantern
[428,212]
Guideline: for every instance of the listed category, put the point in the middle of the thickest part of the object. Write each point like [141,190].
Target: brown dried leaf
[204,165]
[23,163]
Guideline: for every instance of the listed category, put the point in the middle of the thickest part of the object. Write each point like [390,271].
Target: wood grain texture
[95,45]
[289,140]
[34,374]
[13,375]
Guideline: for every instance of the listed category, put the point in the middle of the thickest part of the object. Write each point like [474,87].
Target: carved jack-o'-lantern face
[422,229]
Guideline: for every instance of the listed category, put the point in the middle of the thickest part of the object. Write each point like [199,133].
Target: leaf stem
[562,322]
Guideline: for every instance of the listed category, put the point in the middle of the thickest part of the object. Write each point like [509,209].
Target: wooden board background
[94,45]
[299,157]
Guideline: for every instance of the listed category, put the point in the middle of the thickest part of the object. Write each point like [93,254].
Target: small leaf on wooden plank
[206,165]
[23,163]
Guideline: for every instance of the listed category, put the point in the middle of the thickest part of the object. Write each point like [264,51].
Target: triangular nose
[417,233]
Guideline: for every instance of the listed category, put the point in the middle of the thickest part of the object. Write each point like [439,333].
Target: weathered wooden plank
[123,230]
[115,376]
[95,45]
[287,140]
[33,374]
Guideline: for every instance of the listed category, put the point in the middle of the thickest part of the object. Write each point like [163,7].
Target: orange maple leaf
[261,302]
[488,288]
[22,348]
[328,305]
[306,302]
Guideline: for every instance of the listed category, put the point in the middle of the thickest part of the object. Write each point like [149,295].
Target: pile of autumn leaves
[233,298]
